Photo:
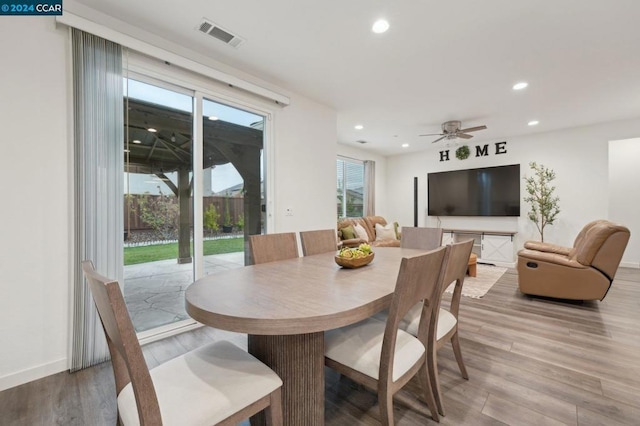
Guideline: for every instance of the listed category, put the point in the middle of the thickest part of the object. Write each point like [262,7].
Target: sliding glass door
[232,184]
[158,219]
[183,222]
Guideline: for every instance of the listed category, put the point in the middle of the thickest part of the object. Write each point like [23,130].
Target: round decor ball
[463,152]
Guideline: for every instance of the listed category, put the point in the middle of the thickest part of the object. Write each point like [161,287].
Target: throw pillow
[361,232]
[348,233]
[385,232]
[396,228]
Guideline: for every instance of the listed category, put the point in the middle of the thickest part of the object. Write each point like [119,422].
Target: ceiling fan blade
[439,139]
[432,134]
[463,136]
[472,129]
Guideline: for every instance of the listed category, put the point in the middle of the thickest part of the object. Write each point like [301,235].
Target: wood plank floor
[531,361]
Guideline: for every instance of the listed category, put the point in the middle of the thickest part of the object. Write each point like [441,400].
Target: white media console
[494,247]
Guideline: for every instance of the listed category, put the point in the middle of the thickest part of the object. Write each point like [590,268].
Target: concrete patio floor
[154,291]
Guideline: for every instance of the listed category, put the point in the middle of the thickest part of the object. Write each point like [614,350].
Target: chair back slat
[320,241]
[127,358]
[422,238]
[273,247]
[454,270]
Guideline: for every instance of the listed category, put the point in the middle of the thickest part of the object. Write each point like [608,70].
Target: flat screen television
[489,191]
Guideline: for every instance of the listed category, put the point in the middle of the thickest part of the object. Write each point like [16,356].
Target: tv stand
[491,247]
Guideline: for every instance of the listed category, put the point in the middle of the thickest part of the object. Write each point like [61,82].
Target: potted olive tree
[544,205]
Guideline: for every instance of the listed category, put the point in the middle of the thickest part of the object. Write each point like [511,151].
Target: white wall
[305,167]
[381,204]
[36,169]
[35,172]
[578,156]
[624,196]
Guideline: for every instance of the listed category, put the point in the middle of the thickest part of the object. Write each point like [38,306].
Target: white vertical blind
[98,151]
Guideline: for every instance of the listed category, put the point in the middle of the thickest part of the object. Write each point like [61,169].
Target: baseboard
[635,265]
[501,264]
[35,373]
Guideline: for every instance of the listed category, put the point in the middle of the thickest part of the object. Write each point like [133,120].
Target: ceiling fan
[452,130]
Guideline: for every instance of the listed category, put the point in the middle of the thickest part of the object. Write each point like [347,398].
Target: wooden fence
[133,218]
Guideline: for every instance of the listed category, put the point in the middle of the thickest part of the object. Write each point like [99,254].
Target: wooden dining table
[284,307]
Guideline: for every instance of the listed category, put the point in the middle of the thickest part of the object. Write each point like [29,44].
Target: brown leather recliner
[582,272]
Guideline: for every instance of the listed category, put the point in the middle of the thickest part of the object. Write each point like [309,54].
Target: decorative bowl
[354,262]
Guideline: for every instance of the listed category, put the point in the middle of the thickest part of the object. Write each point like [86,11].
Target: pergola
[169,149]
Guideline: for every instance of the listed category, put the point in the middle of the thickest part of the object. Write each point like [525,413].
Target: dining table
[286,306]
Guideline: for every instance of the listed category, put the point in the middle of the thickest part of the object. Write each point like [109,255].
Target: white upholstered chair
[273,247]
[381,356]
[445,322]
[216,384]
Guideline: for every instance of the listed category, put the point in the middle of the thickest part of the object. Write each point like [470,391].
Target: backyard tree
[544,205]
[161,212]
[211,218]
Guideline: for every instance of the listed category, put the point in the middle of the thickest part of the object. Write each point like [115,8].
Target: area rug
[478,286]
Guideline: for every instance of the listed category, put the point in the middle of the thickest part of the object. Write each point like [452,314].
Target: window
[350,187]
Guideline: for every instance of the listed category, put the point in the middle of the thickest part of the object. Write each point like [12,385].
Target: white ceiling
[439,61]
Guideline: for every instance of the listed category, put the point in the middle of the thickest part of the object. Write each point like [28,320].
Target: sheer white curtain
[370,188]
[98,151]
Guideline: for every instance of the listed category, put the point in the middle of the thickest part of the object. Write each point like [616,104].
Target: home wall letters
[480,151]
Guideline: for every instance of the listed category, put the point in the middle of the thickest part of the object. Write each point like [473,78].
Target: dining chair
[320,241]
[444,325]
[421,238]
[424,238]
[383,357]
[272,247]
[218,383]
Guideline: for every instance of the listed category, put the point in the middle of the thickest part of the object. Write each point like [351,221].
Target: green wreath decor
[463,152]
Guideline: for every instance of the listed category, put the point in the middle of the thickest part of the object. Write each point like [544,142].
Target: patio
[154,291]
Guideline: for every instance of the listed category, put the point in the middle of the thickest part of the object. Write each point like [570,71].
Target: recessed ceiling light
[358,127]
[213,118]
[152,130]
[533,123]
[405,145]
[520,86]
[136,141]
[380,26]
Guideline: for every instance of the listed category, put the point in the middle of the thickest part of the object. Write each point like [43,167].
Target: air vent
[216,31]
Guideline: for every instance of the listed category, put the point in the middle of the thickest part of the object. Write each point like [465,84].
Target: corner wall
[579,157]
[35,172]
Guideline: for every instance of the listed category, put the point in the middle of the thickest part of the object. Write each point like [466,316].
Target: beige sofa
[582,272]
[369,224]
